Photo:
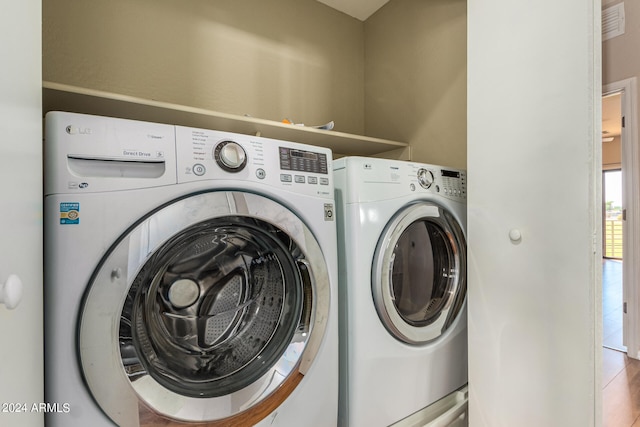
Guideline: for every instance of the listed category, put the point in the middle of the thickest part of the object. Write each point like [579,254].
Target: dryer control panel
[383,179]
[449,183]
[454,183]
[204,154]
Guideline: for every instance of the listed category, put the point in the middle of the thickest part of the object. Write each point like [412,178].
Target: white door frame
[631,202]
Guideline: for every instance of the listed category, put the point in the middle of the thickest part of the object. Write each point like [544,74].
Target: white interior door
[21,351]
[534,212]
[631,204]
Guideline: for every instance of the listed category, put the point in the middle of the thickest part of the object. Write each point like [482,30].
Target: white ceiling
[359,9]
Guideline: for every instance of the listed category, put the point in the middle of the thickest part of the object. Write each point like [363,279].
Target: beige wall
[611,154]
[400,75]
[620,59]
[416,80]
[297,59]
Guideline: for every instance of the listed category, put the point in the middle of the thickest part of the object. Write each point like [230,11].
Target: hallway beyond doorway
[620,389]
[620,374]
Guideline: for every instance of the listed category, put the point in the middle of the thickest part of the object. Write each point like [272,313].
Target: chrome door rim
[98,338]
[381,284]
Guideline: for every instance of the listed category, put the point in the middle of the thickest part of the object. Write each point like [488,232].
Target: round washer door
[209,310]
[419,273]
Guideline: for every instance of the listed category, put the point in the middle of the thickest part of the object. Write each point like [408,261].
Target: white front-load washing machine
[190,277]
[402,264]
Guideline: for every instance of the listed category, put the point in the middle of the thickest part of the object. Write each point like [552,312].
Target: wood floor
[620,374]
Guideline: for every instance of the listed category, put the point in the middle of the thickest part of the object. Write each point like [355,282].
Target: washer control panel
[207,154]
[303,161]
[303,166]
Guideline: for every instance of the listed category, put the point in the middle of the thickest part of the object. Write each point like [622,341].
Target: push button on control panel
[199,169]
[285,177]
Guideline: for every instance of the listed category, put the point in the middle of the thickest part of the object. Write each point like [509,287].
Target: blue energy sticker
[69,213]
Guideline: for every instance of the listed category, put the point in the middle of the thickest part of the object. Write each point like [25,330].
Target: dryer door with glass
[209,310]
[419,273]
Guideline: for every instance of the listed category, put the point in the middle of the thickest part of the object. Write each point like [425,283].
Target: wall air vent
[613,21]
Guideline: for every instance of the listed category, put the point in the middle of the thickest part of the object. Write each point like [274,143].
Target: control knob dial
[230,156]
[425,177]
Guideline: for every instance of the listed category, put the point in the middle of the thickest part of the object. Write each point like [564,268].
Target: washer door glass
[204,310]
[419,273]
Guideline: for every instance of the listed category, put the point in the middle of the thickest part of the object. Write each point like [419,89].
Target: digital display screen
[304,154]
[450,174]
[303,161]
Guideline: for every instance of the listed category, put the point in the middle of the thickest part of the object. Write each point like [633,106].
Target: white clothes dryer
[402,264]
[190,277]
